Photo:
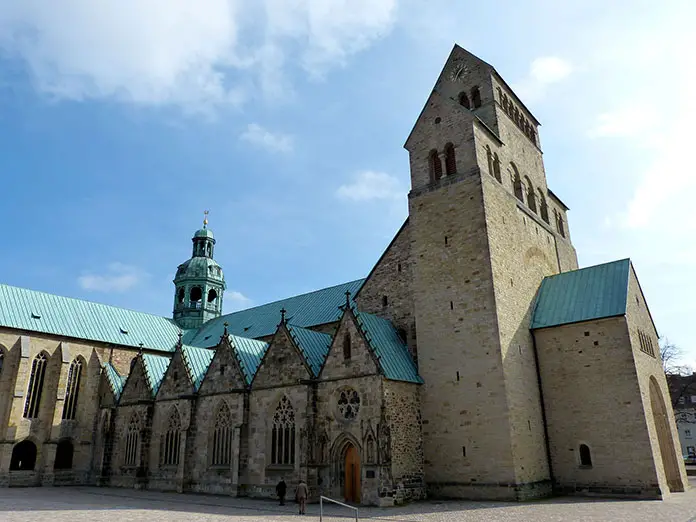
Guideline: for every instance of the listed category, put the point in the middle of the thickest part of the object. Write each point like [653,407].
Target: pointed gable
[114,380]
[224,373]
[176,380]
[197,361]
[155,367]
[249,353]
[361,360]
[136,387]
[283,363]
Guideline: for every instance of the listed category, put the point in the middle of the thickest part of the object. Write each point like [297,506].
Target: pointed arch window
[464,100]
[475,97]
[435,166]
[171,440]
[496,167]
[73,390]
[283,434]
[346,346]
[132,441]
[36,382]
[450,160]
[222,436]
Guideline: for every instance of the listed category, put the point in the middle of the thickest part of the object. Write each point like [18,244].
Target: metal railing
[321,507]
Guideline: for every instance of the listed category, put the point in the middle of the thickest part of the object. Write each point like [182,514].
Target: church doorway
[351,483]
[665,438]
[23,456]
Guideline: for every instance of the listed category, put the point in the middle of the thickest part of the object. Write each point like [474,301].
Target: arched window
[346,346]
[222,437]
[516,116]
[560,225]
[489,159]
[171,440]
[196,295]
[531,197]
[476,97]
[450,160]
[23,456]
[464,100]
[500,94]
[585,456]
[132,441]
[72,390]
[496,167]
[283,434]
[64,455]
[516,183]
[36,382]
[212,295]
[435,166]
[543,207]
[180,295]
[506,104]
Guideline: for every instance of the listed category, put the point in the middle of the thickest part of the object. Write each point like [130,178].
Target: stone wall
[592,397]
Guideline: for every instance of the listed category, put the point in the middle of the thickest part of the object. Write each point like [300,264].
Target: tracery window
[222,437]
[283,434]
[132,441]
[171,440]
[73,389]
[348,404]
[36,382]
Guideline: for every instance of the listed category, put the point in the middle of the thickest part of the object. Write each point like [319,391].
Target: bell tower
[199,283]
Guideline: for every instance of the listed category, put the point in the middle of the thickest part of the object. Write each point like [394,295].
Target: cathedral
[476,360]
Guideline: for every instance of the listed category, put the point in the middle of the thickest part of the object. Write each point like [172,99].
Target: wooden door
[352,477]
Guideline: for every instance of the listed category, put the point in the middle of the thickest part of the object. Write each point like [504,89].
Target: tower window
[196,294]
[385,300]
[496,167]
[398,267]
[476,97]
[346,346]
[585,456]
[489,159]
[464,100]
[180,295]
[531,199]
[516,182]
[435,166]
[450,160]
[543,207]
[212,295]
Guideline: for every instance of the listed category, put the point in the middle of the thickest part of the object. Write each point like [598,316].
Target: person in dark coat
[281,489]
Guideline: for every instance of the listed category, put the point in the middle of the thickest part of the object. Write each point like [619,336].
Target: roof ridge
[588,267]
[89,301]
[296,296]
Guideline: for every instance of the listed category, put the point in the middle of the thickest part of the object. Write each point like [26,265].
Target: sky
[121,123]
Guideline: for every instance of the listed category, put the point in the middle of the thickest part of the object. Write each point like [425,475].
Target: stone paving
[121,505]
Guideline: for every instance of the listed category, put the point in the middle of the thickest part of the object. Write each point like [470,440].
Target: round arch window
[348,404]
[180,295]
[212,295]
[196,294]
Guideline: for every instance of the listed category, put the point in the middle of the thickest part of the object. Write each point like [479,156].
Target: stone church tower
[199,283]
[485,231]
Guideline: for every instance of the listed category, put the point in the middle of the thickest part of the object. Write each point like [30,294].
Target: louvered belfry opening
[283,434]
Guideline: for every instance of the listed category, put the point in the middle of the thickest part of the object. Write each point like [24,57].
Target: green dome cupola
[199,283]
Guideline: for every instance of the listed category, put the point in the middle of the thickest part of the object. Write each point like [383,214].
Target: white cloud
[543,71]
[262,137]
[237,300]
[118,278]
[370,185]
[177,52]
[625,121]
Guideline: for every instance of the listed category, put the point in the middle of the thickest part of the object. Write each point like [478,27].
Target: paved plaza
[120,505]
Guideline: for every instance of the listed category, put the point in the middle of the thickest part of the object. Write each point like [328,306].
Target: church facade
[476,360]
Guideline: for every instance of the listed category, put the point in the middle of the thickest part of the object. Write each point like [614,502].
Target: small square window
[687,434]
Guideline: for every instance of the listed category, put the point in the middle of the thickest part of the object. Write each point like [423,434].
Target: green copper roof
[314,308]
[51,314]
[582,295]
[155,368]
[314,346]
[394,357]
[250,352]
[116,382]
[204,232]
[197,361]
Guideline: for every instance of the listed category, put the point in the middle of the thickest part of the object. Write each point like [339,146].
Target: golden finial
[205,219]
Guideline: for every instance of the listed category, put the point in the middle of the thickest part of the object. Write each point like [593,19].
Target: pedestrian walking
[281,489]
[302,495]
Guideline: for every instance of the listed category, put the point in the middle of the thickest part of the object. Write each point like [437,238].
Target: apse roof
[582,295]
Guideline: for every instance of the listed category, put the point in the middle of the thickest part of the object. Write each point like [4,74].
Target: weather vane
[205,219]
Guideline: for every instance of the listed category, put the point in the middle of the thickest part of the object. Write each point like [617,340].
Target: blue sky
[120,124]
